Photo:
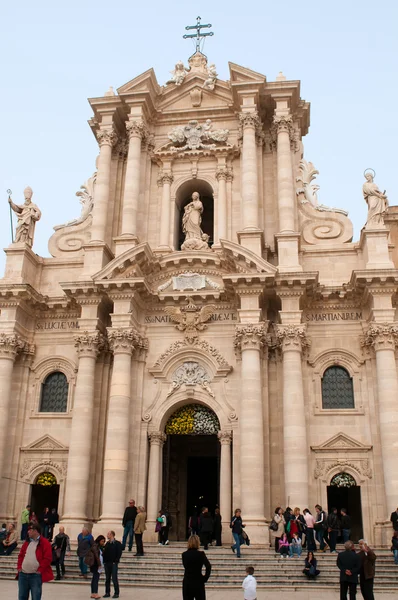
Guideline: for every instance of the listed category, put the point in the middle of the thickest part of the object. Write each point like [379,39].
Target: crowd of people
[291,530]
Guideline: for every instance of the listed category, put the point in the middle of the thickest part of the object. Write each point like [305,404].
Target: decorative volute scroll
[319,224]
[190,373]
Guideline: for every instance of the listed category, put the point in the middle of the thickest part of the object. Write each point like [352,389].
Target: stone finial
[110,92]
[280,77]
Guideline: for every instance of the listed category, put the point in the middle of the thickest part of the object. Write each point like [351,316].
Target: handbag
[273,525]
[58,552]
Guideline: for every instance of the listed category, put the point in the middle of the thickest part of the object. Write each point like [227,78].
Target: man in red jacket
[34,565]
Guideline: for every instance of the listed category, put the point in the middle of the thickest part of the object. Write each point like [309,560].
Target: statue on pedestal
[376,200]
[27,213]
[179,73]
[195,239]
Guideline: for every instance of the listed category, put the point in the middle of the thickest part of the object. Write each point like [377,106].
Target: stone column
[249,122]
[249,340]
[282,129]
[165,180]
[135,130]
[295,448]
[78,478]
[221,175]
[225,438]
[106,139]
[156,440]
[122,343]
[384,338]
[10,344]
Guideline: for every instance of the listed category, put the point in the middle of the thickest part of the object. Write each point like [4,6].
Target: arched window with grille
[337,388]
[54,393]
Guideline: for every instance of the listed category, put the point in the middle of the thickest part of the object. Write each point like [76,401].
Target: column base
[104,525]
[257,530]
[125,242]
[288,245]
[382,534]
[74,526]
[252,239]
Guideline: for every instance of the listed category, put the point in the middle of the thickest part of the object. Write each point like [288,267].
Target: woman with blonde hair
[193,559]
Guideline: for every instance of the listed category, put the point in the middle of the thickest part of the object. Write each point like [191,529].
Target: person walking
[237,526]
[279,520]
[309,530]
[320,527]
[25,522]
[367,570]
[217,527]
[34,565]
[333,529]
[205,528]
[128,521]
[139,528]
[84,542]
[295,546]
[345,525]
[394,546]
[349,564]
[61,546]
[111,556]
[311,570]
[193,524]
[10,542]
[95,561]
[249,585]
[193,560]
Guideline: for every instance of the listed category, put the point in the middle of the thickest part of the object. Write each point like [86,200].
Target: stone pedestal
[252,240]
[295,446]
[288,248]
[21,264]
[374,243]
[78,478]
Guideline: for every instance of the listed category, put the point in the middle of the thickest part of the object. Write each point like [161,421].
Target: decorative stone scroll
[188,281]
[191,373]
[381,336]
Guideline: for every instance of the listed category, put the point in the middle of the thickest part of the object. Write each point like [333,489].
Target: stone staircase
[161,567]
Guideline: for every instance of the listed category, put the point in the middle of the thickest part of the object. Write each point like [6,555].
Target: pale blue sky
[56,56]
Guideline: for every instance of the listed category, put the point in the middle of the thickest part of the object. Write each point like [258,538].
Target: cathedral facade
[206,332]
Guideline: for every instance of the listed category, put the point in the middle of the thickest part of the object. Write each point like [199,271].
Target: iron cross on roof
[198,35]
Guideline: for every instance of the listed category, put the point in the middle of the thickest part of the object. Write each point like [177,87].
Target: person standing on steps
[345,525]
[95,561]
[276,534]
[237,525]
[25,522]
[394,547]
[367,570]
[84,542]
[61,546]
[333,529]
[349,564]
[309,531]
[128,523]
[206,528]
[217,527]
[320,527]
[193,560]
[111,555]
[139,528]
[164,528]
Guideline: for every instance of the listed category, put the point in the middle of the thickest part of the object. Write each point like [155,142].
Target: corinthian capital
[292,337]
[10,345]
[283,123]
[383,336]
[89,344]
[249,120]
[136,128]
[225,437]
[222,173]
[107,137]
[157,438]
[250,336]
[123,341]
[165,178]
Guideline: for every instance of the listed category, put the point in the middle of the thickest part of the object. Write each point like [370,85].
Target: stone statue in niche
[179,73]
[28,214]
[377,203]
[195,239]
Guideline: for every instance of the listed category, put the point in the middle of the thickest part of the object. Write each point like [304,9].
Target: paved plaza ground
[61,591]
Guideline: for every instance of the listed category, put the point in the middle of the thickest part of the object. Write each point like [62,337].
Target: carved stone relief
[191,373]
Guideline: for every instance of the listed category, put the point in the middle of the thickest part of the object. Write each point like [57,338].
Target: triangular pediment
[46,442]
[241,74]
[145,82]
[342,442]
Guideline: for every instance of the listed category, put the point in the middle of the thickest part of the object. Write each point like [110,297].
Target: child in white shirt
[249,585]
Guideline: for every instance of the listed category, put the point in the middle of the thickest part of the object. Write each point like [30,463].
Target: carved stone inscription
[56,325]
[316,317]
[215,317]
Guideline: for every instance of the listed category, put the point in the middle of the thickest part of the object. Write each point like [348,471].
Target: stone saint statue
[195,239]
[28,213]
[377,203]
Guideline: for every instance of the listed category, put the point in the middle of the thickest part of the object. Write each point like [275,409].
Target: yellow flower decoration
[46,479]
[193,419]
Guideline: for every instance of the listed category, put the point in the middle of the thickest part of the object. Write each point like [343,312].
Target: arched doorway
[191,463]
[343,492]
[44,492]
[183,197]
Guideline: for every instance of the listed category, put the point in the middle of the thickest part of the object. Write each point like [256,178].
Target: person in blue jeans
[345,525]
[128,523]
[295,546]
[237,526]
[84,542]
[394,546]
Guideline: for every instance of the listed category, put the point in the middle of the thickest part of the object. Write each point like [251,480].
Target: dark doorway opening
[190,478]
[350,499]
[207,224]
[43,496]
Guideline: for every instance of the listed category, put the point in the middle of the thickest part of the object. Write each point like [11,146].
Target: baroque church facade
[206,332]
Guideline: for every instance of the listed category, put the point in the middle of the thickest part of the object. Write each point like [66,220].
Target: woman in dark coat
[193,584]
[205,528]
[217,527]
[310,568]
[97,564]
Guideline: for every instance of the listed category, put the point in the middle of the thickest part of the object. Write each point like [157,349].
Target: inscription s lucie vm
[56,325]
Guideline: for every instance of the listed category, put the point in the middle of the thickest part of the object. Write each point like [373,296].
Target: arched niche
[182,197]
